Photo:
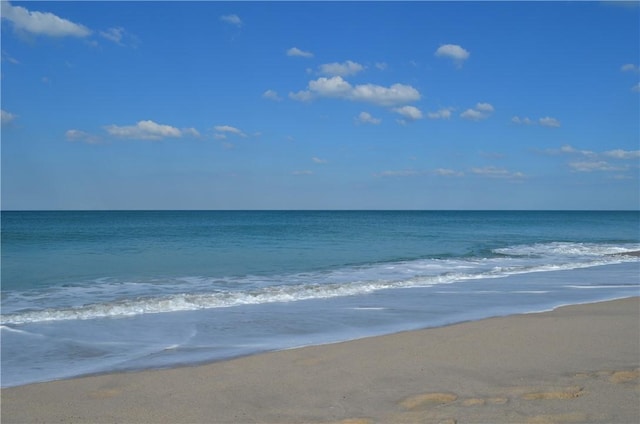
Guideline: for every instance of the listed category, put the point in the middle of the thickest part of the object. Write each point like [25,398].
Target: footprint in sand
[565,393]
[484,401]
[427,399]
[624,376]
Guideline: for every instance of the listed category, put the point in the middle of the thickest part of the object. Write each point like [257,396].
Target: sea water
[94,292]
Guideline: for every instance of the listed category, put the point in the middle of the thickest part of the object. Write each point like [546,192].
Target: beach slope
[575,364]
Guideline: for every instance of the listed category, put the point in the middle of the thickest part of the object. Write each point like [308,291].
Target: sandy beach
[574,364]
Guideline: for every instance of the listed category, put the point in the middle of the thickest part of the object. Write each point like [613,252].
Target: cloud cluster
[337,87]
[41,23]
[590,161]
[547,121]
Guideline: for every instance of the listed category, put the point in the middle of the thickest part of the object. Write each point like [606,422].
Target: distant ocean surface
[95,292]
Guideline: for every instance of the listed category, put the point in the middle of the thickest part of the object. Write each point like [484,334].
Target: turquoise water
[91,292]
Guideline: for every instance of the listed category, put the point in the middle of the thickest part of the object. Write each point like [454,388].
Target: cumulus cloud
[294,51]
[229,129]
[341,69]
[337,87]
[271,95]
[6,117]
[41,23]
[232,19]
[410,113]
[367,118]
[144,130]
[521,121]
[440,114]
[549,122]
[480,112]
[83,137]
[453,52]
[545,122]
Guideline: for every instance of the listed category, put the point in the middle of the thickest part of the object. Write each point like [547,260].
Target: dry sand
[577,364]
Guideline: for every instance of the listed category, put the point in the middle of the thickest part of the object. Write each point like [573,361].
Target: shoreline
[577,363]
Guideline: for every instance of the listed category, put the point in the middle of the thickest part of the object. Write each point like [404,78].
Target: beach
[574,364]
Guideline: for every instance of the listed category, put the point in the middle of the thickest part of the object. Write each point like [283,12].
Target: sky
[324,105]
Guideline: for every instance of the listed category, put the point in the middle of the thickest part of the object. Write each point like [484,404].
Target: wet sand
[575,364]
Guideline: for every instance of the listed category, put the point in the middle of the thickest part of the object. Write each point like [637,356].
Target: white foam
[124,299]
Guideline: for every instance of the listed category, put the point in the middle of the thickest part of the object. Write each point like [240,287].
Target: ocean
[94,292]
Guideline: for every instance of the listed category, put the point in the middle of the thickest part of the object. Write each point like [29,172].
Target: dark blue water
[86,292]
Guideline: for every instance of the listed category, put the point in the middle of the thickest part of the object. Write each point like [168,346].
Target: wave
[197,293]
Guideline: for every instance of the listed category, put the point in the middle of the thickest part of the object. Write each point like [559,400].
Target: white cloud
[385,96]
[339,88]
[400,173]
[443,172]
[330,87]
[229,129]
[6,117]
[367,118]
[549,122]
[623,154]
[294,51]
[318,160]
[521,121]
[191,132]
[113,34]
[81,136]
[41,23]
[232,19]
[636,88]
[271,95]
[591,166]
[481,111]
[381,66]
[9,59]
[440,114]
[341,69]
[630,67]
[494,172]
[411,113]
[144,130]
[484,107]
[454,52]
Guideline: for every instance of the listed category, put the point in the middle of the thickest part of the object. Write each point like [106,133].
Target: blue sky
[242,105]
